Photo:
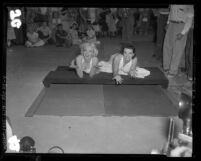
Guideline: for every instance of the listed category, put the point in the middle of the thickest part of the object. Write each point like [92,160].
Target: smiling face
[87,52]
[128,54]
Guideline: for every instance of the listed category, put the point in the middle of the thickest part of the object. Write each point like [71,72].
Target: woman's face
[128,54]
[87,52]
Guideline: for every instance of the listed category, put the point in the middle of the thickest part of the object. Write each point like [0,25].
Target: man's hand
[179,36]
[166,27]
[118,79]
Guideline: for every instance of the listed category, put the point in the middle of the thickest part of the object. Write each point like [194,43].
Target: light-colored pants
[173,48]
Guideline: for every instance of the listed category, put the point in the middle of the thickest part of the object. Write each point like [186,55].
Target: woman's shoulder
[79,57]
[118,56]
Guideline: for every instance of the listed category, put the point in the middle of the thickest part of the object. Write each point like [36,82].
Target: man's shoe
[190,78]
[170,75]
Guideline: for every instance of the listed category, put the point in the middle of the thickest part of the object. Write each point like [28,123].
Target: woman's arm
[79,67]
[93,68]
[115,65]
[133,67]
[115,69]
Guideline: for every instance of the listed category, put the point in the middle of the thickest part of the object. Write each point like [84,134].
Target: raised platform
[65,75]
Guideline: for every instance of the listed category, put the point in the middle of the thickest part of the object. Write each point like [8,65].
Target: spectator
[127,17]
[62,37]
[102,22]
[10,34]
[111,23]
[54,22]
[179,22]
[91,34]
[74,33]
[161,24]
[45,33]
[33,38]
[83,16]
[144,21]
[189,54]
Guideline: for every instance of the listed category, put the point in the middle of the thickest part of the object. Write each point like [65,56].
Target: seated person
[62,37]
[33,38]
[74,34]
[123,64]
[54,22]
[91,34]
[86,61]
[44,33]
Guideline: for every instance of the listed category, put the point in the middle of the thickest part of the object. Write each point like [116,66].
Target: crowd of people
[40,24]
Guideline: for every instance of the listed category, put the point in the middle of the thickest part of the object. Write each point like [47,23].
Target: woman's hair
[55,149]
[128,46]
[88,44]
[26,144]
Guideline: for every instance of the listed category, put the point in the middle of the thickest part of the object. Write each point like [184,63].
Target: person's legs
[39,43]
[178,50]
[124,30]
[168,46]
[28,44]
[59,41]
[189,54]
[160,35]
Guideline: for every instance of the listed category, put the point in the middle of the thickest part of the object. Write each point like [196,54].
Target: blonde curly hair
[91,45]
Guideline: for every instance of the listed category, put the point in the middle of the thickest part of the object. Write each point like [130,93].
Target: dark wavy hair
[128,46]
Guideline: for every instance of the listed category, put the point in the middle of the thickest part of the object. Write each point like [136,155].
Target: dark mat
[70,100]
[137,100]
[65,75]
[103,100]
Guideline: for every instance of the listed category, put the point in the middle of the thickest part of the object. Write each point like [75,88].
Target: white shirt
[87,70]
[182,13]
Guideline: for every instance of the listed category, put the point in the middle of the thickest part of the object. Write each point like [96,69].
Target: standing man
[162,17]
[127,15]
[189,54]
[179,22]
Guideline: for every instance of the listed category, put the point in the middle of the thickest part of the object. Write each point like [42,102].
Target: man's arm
[189,19]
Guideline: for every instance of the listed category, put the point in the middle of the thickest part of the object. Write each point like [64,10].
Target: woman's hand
[132,74]
[118,79]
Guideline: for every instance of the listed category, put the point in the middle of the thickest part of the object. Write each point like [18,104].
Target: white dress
[87,70]
[123,69]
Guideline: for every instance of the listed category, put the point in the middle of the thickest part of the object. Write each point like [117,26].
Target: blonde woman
[87,61]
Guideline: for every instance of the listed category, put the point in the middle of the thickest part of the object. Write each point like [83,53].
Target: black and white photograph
[93,80]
